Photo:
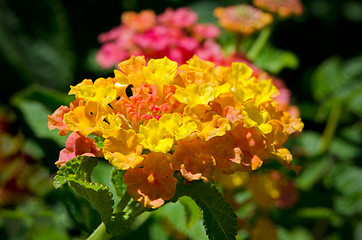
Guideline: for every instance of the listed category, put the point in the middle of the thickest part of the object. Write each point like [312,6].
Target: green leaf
[327,78]
[312,173]
[96,194]
[350,181]
[348,206]
[358,231]
[308,142]
[321,213]
[99,141]
[176,214]
[337,80]
[344,149]
[35,115]
[274,60]
[80,168]
[192,212]
[102,173]
[78,174]
[117,182]
[219,218]
[296,233]
[50,98]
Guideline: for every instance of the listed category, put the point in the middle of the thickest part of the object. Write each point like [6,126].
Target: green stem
[138,211]
[239,38]
[330,128]
[259,43]
[100,233]
[123,203]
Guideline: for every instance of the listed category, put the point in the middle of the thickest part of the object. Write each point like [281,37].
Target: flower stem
[100,233]
[239,38]
[123,203]
[259,43]
[330,128]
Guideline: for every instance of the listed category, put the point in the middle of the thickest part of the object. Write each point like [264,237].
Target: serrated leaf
[96,194]
[80,167]
[117,182]
[77,173]
[219,218]
[102,174]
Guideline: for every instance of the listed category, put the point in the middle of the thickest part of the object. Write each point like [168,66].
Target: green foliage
[79,168]
[117,182]
[46,61]
[77,173]
[40,44]
[219,218]
[184,216]
[338,82]
[274,60]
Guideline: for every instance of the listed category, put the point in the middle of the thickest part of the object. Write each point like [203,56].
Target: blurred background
[47,45]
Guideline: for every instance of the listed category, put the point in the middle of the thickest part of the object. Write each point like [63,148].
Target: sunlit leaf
[219,218]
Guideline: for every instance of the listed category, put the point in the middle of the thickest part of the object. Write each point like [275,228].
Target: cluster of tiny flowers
[243,19]
[284,8]
[193,118]
[174,33]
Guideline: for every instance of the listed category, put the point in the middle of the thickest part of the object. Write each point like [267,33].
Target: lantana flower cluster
[283,9]
[174,33]
[194,118]
[244,18]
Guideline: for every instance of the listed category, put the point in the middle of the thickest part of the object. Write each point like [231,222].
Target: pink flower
[78,144]
[56,120]
[174,34]
[203,31]
[182,17]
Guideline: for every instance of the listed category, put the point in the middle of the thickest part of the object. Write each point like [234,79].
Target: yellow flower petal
[195,94]
[102,91]
[85,118]
[124,150]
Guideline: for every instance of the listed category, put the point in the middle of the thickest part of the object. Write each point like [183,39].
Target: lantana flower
[194,118]
[174,33]
[243,19]
[283,8]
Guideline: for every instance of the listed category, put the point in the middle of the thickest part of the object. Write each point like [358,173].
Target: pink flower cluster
[175,34]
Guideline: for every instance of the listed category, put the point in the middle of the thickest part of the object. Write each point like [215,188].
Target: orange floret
[193,160]
[244,19]
[251,143]
[140,22]
[78,144]
[55,121]
[284,8]
[151,182]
